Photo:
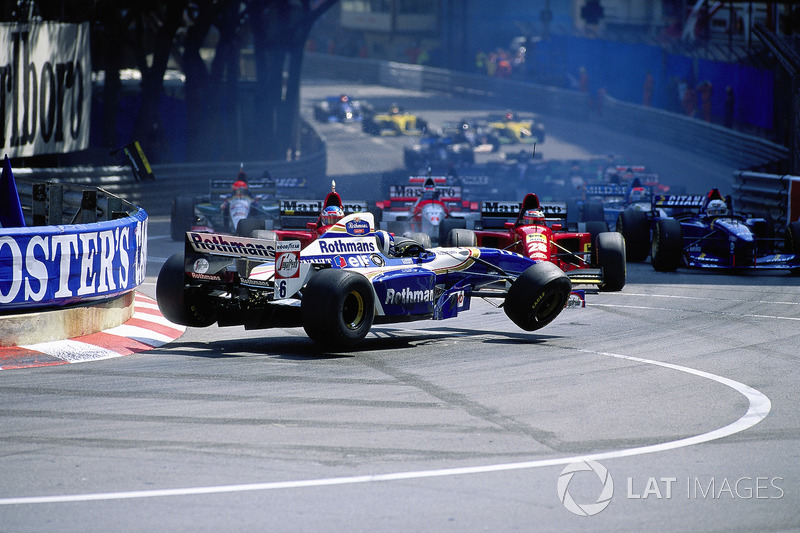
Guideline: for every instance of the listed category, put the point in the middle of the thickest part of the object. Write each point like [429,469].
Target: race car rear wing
[297,213]
[495,214]
[259,189]
[681,201]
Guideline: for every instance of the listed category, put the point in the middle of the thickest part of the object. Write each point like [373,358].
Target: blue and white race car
[702,231]
[349,278]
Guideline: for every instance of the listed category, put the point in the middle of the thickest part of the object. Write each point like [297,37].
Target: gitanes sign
[45,88]
[61,265]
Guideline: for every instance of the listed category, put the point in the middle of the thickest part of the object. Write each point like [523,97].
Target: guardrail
[767,195]
[171,180]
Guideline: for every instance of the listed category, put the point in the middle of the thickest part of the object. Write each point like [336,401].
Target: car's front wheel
[537,296]
[611,259]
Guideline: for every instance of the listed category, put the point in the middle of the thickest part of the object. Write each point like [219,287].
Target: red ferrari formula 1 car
[428,208]
[589,253]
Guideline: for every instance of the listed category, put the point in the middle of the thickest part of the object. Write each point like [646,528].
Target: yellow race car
[511,129]
[394,121]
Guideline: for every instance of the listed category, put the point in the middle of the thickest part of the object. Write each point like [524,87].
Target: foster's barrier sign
[51,266]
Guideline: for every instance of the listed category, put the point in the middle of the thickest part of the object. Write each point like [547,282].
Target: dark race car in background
[438,152]
[222,209]
[349,278]
[588,253]
[702,231]
[342,108]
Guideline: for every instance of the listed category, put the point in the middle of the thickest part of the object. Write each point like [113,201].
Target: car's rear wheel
[462,238]
[633,226]
[610,248]
[247,226]
[338,307]
[179,305]
[537,296]
[182,217]
[423,239]
[447,225]
[667,247]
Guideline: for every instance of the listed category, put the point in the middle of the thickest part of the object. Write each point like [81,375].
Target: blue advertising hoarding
[53,266]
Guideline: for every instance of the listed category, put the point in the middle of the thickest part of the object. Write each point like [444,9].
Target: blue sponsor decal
[357,227]
[406,293]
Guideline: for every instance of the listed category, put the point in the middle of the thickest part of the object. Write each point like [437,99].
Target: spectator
[647,91]
[690,100]
[480,62]
[730,105]
[705,89]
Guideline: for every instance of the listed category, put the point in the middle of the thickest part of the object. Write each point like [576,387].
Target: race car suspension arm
[578,255]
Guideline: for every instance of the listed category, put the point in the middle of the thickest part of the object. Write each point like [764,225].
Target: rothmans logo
[408,296]
[357,227]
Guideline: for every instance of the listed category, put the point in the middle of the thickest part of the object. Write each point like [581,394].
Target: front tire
[537,296]
[338,308]
[611,259]
[667,245]
[178,304]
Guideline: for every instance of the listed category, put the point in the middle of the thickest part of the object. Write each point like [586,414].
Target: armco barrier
[63,280]
[768,194]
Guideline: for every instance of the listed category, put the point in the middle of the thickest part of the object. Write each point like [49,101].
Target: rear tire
[337,308]
[179,305]
[667,246]
[537,296]
[447,225]
[633,226]
[462,238]
[247,226]
[182,217]
[610,248]
[423,239]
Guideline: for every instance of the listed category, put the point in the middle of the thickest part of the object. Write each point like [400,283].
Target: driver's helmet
[240,188]
[637,194]
[717,208]
[331,215]
[533,216]
[344,98]
[509,116]
[394,109]
[385,242]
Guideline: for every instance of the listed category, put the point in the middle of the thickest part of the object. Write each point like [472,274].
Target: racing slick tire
[667,245]
[460,238]
[447,225]
[247,226]
[179,305]
[182,217]
[423,239]
[592,211]
[537,296]
[338,308]
[633,226]
[593,228]
[610,249]
[793,238]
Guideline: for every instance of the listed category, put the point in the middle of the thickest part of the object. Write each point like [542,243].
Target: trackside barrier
[170,180]
[53,266]
[768,194]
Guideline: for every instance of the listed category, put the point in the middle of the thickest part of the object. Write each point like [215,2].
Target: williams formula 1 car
[340,108]
[539,231]
[349,278]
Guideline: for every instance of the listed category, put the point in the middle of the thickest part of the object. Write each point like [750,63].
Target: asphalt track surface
[680,391]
